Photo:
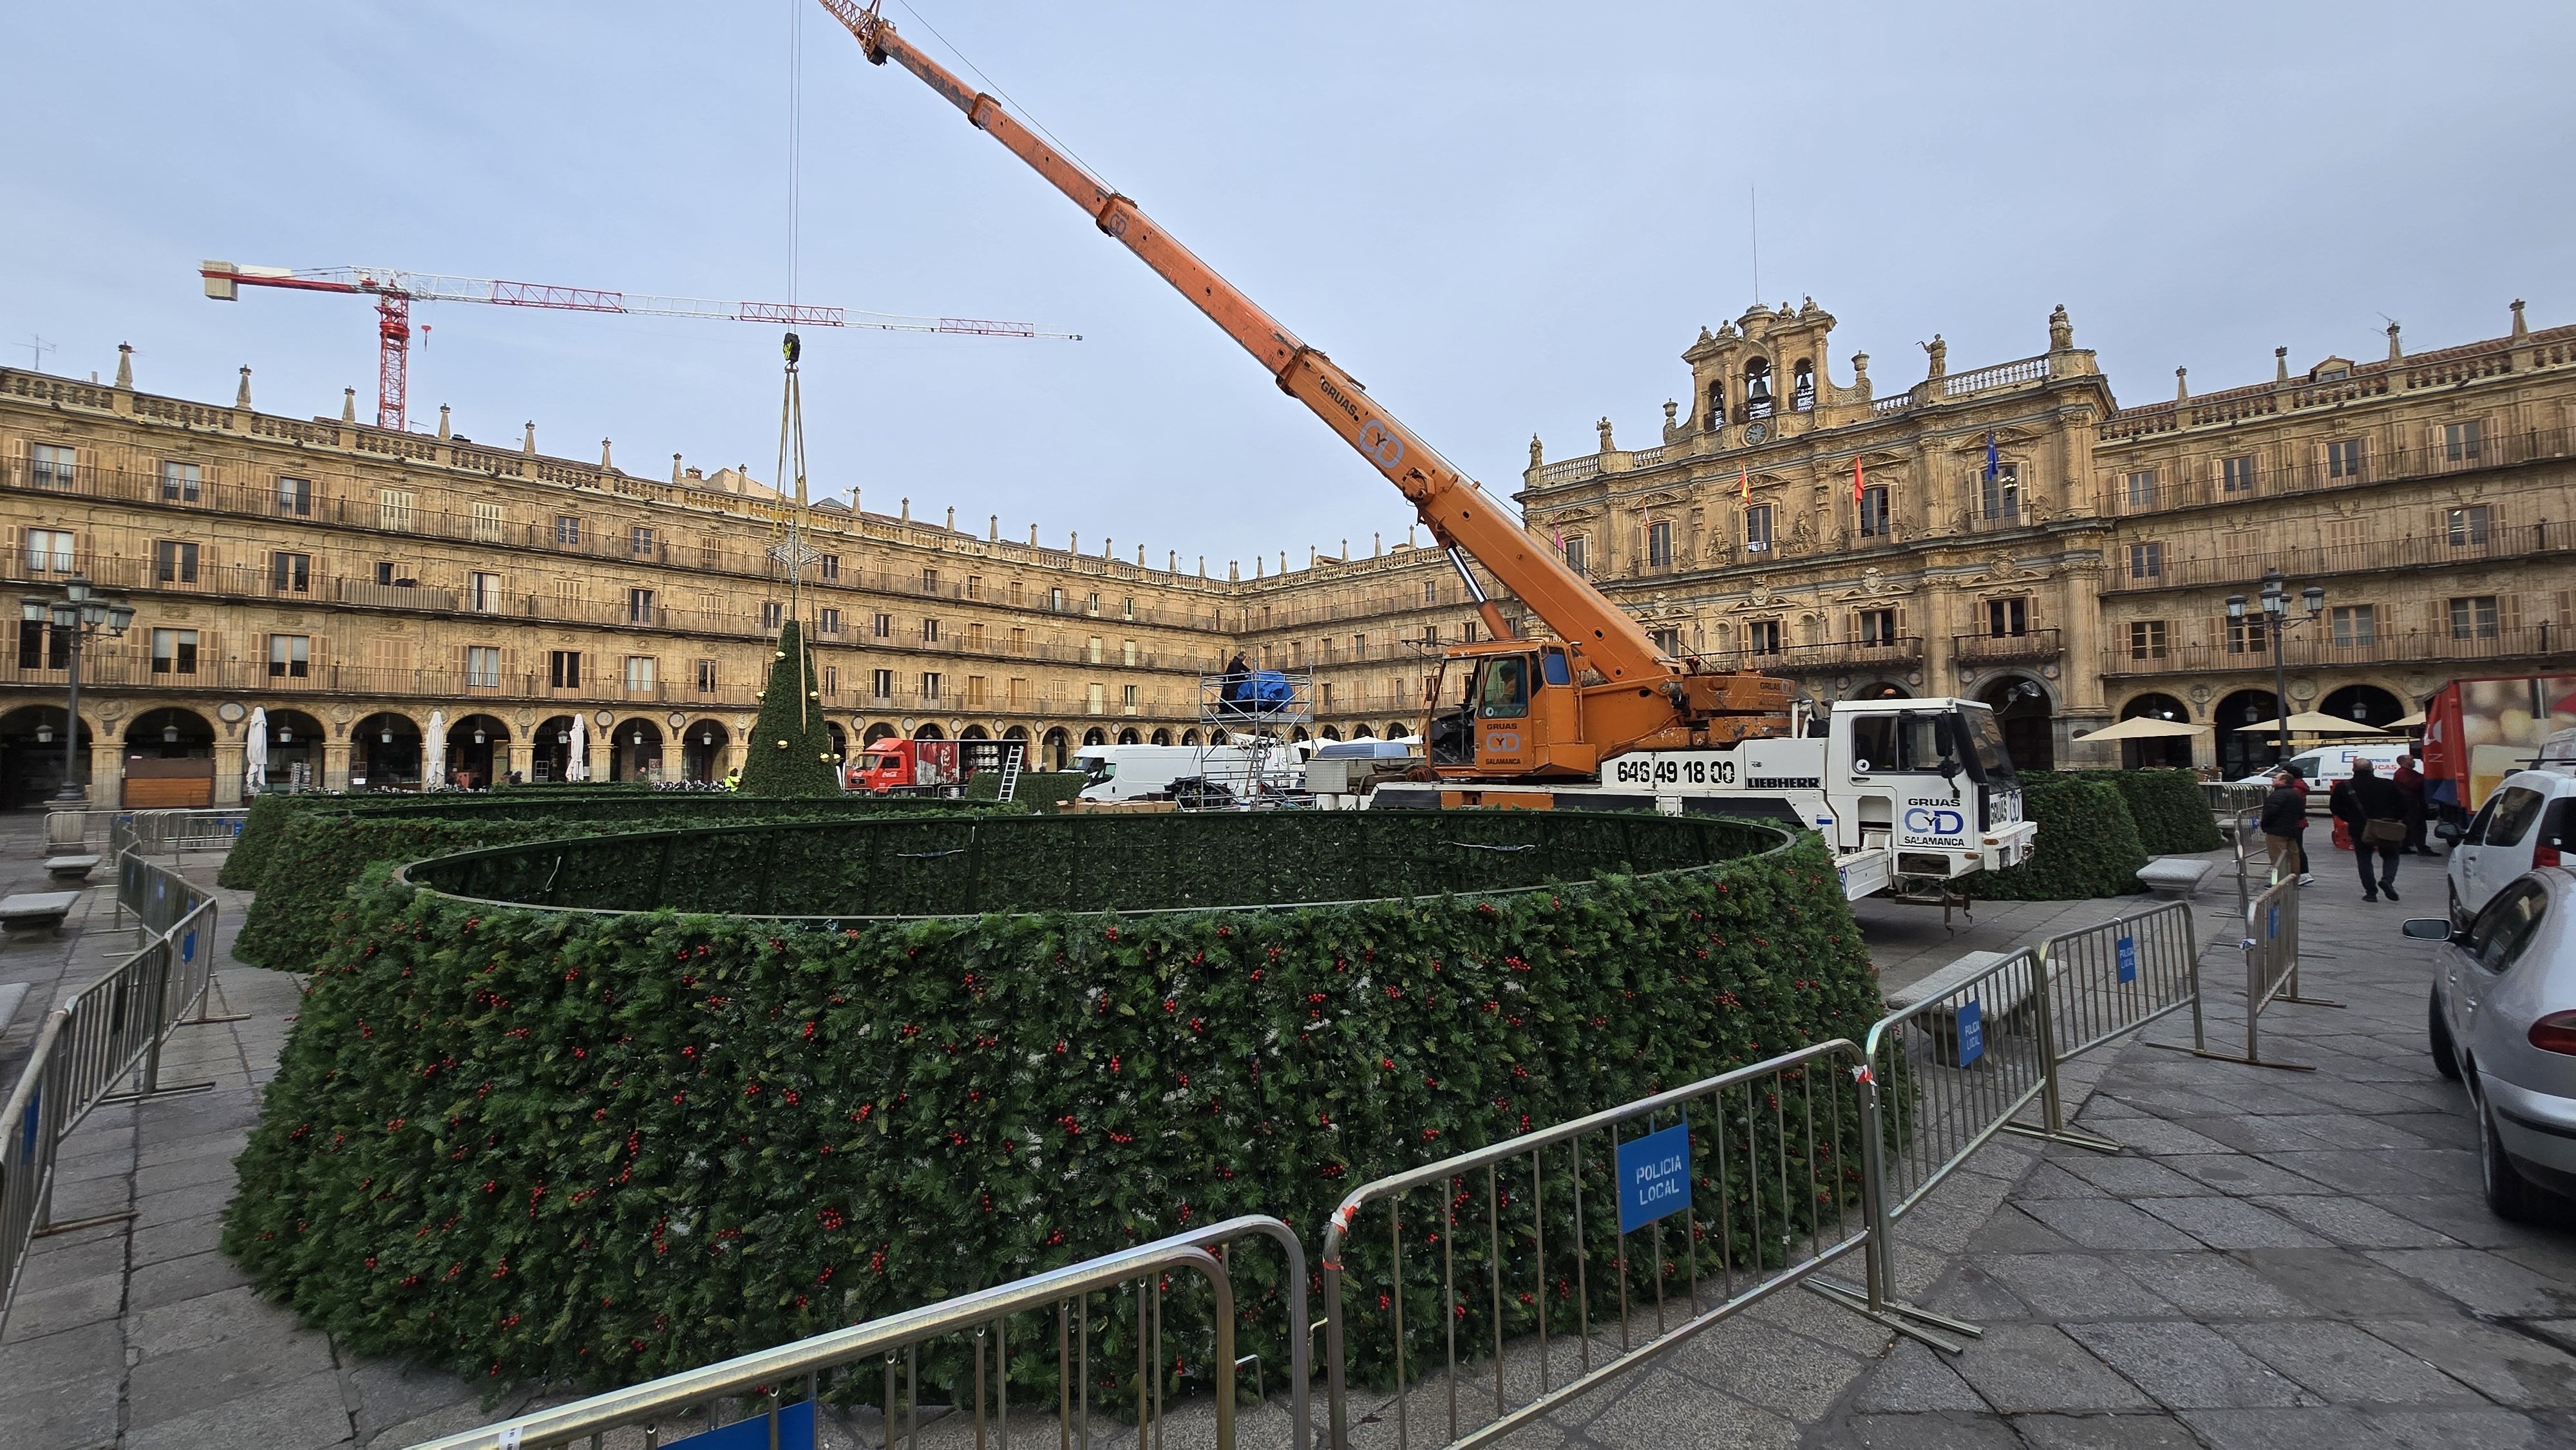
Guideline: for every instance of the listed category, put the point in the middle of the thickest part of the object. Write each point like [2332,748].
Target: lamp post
[2275,603]
[79,613]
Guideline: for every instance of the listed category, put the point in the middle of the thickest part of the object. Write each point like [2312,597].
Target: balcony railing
[2000,649]
[2481,544]
[2208,485]
[2311,647]
[1800,659]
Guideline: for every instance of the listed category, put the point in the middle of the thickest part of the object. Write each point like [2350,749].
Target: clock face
[1756,432]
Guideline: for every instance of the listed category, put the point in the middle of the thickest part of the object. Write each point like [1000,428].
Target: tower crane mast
[395,290]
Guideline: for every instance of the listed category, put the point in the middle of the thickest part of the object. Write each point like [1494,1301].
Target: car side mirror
[1949,767]
[2428,928]
[2448,833]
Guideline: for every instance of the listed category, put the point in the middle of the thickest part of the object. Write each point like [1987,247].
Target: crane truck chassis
[1909,795]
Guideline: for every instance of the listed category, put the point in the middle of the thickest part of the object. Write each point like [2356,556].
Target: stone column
[228,772]
[335,765]
[523,757]
[107,768]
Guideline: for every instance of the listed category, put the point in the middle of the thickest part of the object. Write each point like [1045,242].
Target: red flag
[1856,485]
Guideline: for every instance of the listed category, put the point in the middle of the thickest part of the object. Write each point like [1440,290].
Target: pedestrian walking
[2299,783]
[2410,793]
[2374,814]
[2285,825]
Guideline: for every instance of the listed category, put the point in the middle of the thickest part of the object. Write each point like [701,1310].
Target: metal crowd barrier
[106,1032]
[1766,1169]
[2107,981]
[784,1385]
[157,899]
[2271,946]
[170,832]
[69,829]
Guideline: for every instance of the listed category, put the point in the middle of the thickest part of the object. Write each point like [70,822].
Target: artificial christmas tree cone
[790,752]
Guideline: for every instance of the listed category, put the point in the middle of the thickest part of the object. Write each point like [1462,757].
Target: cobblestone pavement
[2278,1256]
[2280,1259]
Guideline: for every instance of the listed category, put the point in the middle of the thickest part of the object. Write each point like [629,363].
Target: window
[881,684]
[831,680]
[1127,696]
[2146,639]
[1091,606]
[930,631]
[1128,653]
[1578,553]
[1802,387]
[2142,489]
[174,562]
[563,669]
[174,651]
[639,674]
[49,466]
[295,497]
[290,656]
[1873,512]
[1668,642]
[2007,618]
[2002,491]
[2236,475]
[2355,623]
[1467,632]
[2344,458]
[50,550]
[568,531]
[482,666]
[43,647]
[1093,652]
[975,636]
[385,573]
[827,621]
[1127,607]
[1055,601]
[2459,442]
[2466,527]
[710,552]
[882,626]
[1431,635]
[2249,635]
[974,586]
[1359,646]
[1659,544]
[487,523]
[1019,640]
[929,581]
[773,615]
[707,677]
[1430,592]
[1018,698]
[930,687]
[1096,698]
[180,481]
[2146,561]
[2474,617]
[1323,696]
[1877,626]
[975,697]
[1015,594]
[483,593]
[2516,809]
[393,510]
[2509,923]
[639,541]
[639,606]
[1762,637]
[828,568]
[1757,528]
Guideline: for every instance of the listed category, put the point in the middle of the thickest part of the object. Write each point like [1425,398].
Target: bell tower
[1761,376]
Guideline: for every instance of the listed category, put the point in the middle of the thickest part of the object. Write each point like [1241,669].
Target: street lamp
[79,615]
[2275,601]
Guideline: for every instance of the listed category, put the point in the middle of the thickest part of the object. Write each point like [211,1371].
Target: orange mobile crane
[1544,710]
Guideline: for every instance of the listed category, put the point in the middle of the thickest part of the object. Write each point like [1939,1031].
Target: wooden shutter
[2508,612]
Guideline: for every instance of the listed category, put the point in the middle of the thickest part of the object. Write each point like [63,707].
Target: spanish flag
[1743,483]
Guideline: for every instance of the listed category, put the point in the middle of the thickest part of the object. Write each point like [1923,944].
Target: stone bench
[71,870]
[1999,1003]
[2174,878]
[26,913]
[11,995]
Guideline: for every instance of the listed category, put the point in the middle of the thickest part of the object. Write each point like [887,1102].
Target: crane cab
[1508,709]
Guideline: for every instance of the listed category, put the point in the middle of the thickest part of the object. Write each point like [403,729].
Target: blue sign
[1654,1177]
[795,1432]
[188,945]
[2128,946]
[2272,922]
[1972,1031]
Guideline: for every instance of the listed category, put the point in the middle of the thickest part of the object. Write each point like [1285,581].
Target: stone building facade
[2005,532]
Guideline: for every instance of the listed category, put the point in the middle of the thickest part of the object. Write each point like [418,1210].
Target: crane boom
[1459,512]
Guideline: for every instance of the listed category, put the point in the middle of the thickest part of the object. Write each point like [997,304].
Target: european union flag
[1993,466]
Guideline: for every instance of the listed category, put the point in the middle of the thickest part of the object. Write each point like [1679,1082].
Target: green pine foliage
[262,823]
[2088,843]
[790,753]
[2173,816]
[595,1148]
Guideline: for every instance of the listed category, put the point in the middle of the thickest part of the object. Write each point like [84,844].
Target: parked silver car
[2503,1022]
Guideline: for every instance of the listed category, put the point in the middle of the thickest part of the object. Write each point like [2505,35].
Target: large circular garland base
[547,1114]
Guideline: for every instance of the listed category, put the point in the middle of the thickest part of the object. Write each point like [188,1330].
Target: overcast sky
[1503,218]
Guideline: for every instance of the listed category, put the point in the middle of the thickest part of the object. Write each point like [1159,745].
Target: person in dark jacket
[2410,790]
[2375,815]
[2285,826]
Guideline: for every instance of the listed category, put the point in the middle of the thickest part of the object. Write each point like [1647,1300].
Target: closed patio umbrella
[255,751]
[577,766]
[433,761]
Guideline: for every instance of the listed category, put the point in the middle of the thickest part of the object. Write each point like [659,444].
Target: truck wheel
[2509,1195]
[2446,1058]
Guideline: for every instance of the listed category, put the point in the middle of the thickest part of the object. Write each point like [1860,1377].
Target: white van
[1133,772]
[2331,765]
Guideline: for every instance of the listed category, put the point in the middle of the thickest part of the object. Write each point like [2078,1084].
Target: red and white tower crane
[396,290]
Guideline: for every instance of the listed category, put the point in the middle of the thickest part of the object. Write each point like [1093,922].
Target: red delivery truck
[2477,732]
[892,767]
